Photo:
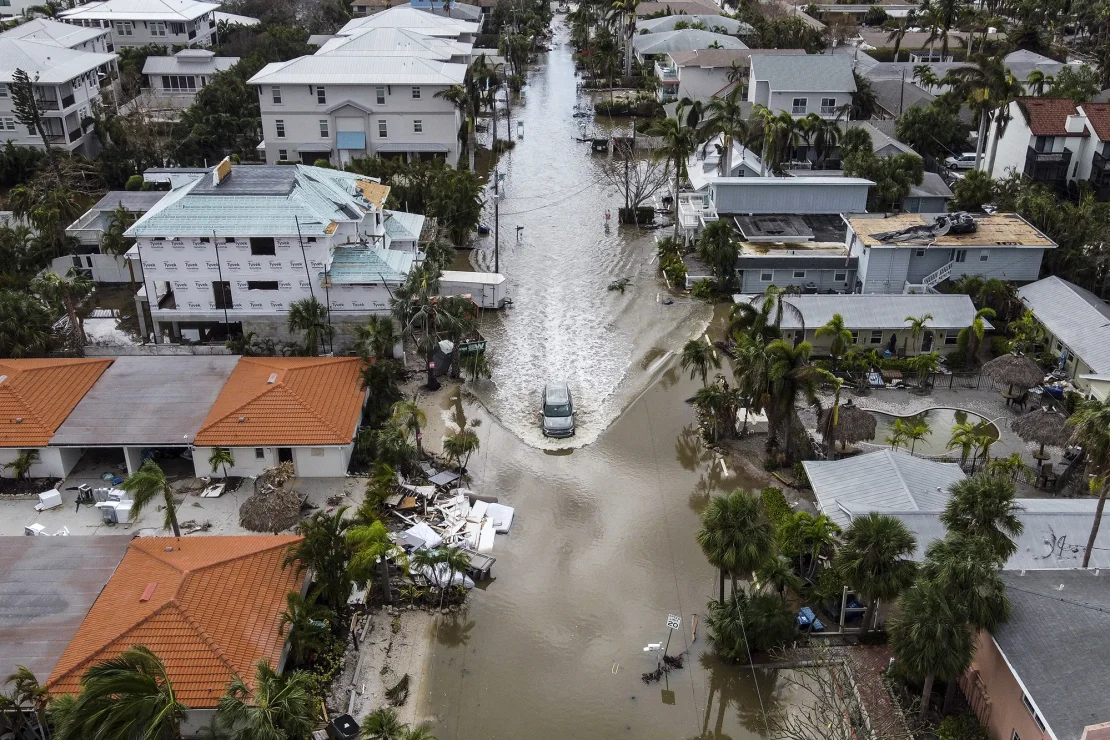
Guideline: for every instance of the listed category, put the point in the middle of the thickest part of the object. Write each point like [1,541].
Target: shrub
[774,502]
[800,476]
[961,727]
[640,216]
[770,465]
[1000,346]
[675,270]
[956,361]
[135,182]
[704,290]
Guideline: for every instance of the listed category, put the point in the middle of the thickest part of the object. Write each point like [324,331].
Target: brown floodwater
[602,548]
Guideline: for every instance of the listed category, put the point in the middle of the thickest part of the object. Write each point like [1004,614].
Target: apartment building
[802,84]
[412,19]
[66,83]
[65,35]
[168,23]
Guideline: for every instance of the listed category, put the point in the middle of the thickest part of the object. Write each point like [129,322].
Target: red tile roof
[213,610]
[1048,116]
[1099,116]
[36,396]
[312,401]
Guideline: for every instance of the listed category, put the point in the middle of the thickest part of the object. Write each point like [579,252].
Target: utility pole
[496,234]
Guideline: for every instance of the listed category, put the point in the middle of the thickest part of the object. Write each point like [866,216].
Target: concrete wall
[883,270]
[101,268]
[53,462]
[784,102]
[996,695]
[905,344]
[301,113]
[310,462]
[886,269]
[700,83]
[322,462]
[752,279]
[1012,146]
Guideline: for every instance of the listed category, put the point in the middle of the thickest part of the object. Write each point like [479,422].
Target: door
[927,343]
[285,454]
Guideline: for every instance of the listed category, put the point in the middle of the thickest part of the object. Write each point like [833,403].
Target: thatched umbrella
[1014,370]
[853,424]
[1043,426]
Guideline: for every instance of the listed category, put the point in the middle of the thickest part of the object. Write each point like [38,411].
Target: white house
[44,30]
[339,106]
[89,230]
[648,46]
[703,73]
[398,42]
[714,23]
[914,253]
[800,85]
[168,23]
[66,83]
[181,76]
[239,244]
[303,410]
[412,19]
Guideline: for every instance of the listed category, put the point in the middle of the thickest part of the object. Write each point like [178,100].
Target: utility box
[343,727]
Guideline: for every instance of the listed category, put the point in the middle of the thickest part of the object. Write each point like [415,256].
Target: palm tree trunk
[172,509]
[722,579]
[981,141]
[1095,526]
[994,151]
[677,170]
[386,590]
[949,696]
[926,693]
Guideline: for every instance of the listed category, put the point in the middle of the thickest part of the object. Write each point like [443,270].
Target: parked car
[557,410]
[965,161]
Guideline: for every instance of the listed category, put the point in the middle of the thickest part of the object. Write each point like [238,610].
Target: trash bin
[343,727]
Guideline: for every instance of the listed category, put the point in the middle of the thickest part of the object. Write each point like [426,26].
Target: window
[961,255]
[383,129]
[828,106]
[283,155]
[984,256]
[3,91]
[951,337]
[179,83]
[279,126]
[379,95]
[418,126]
[415,92]
[8,124]
[221,293]
[262,285]
[157,28]
[799,274]
[205,240]
[877,336]
[919,253]
[1015,736]
[766,276]
[231,239]
[321,95]
[799,106]
[855,337]
[275,94]
[178,28]
[1043,144]
[259,453]
[840,277]
[1029,708]
[262,246]
[323,128]
[125,28]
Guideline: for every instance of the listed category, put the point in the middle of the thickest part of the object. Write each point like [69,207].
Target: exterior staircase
[930,282]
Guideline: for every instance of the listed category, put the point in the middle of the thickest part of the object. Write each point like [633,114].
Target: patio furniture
[1043,426]
[443,479]
[807,620]
[34,530]
[1047,477]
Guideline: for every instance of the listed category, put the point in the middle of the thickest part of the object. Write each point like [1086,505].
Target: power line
[554,203]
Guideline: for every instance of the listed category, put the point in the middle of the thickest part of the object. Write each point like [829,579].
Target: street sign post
[674,621]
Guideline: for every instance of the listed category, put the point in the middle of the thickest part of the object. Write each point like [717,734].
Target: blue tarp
[351,140]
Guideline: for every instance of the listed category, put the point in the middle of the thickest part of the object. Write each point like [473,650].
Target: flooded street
[602,547]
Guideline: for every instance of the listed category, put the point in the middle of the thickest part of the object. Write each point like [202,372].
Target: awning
[415,147]
[350,140]
[261,146]
[314,148]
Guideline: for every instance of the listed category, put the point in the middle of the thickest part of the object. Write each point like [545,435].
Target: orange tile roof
[312,401]
[214,611]
[42,393]
[1048,116]
[1099,116]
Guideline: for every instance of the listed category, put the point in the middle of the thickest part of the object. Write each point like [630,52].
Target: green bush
[135,182]
[956,361]
[639,216]
[675,270]
[774,502]
[1000,346]
[704,290]
[961,727]
[800,476]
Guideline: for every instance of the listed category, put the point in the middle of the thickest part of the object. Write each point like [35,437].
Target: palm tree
[735,535]
[790,374]
[778,574]
[810,536]
[279,707]
[422,314]
[308,624]
[875,559]
[459,446]
[324,551]
[456,560]
[1092,430]
[918,326]
[698,358]
[897,34]
[678,142]
[383,724]
[371,549]
[746,623]
[113,240]
[408,415]
[718,248]
[987,87]
[965,436]
[916,433]
[628,9]
[973,335]
[147,484]
[823,134]
[461,99]
[375,338]
[720,403]
[841,337]
[129,696]
[22,464]
[310,316]
[221,457]
[750,370]
[727,118]
[463,321]
[27,692]
[67,292]
[24,325]
[1036,82]
[931,637]
[983,506]
[898,431]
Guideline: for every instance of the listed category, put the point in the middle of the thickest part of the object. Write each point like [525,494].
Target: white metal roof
[475,278]
[827,73]
[395,42]
[47,31]
[46,63]
[711,23]
[405,16]
[188,61]
[140,10]
[881,481]
[1075,316]
[235,20]
[686,39]
[360,70]
[872,311]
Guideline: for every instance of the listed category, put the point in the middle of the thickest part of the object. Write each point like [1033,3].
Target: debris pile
[272,507]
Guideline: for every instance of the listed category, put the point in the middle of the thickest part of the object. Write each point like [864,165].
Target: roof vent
[149,590]
[17,420]
[169,548]
[242,419]
[3,378]
[272,379]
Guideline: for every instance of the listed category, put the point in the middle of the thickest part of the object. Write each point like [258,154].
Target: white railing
[938,276]
[695,211]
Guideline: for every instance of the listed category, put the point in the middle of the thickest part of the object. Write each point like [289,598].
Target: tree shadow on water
[735,685]
[453,630]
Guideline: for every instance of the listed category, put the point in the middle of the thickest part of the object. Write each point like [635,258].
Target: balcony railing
[56,138]
[828,110]
[797,110]
[68,100]
[666,72]
[48,104]
[694,211]
[1047,166]
[75,134]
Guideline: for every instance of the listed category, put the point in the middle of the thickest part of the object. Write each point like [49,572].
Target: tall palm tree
[422,314]
[965,437]
[277,708]
[1036,82]
[66,292]
[875,559]
[727,117]
[147,484]
[987,87]
[220,458]
[460,445]
[751,373]
[918,326]
[461,99]
[823,134]
[778,574]
[129,696]
[27,692]
[375,338]
[456,560]
[311,317]
[308,625]
[810,536]
[383,724]
[409,416]
[628,9]
[841,337]
[791,375]
[371,549]
[735,535]
[984,506]
[678,143]
[973,334]
[698,358]
[718,248]
[1091,423]
[931,637]
[917,432]
[324,551]
[898,33]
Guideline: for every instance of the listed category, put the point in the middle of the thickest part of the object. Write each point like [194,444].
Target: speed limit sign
[674,621]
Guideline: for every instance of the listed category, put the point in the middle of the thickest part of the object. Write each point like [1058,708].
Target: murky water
[940,422]
[602,547]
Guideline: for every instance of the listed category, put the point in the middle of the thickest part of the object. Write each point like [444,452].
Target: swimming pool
[941,421]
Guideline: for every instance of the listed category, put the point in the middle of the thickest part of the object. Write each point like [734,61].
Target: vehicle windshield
[557,409]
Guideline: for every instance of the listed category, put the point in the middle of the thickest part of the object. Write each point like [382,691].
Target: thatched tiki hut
[849,424]
[1043,426]
[1016,371]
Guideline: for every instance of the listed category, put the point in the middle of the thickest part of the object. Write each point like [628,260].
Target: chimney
[1076,124]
